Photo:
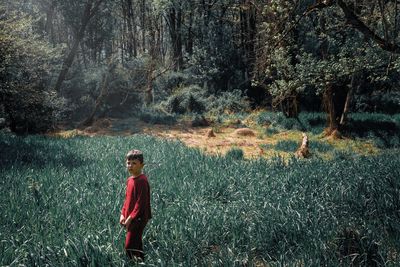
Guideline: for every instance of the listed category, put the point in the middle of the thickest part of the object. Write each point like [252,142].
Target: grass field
[61,198]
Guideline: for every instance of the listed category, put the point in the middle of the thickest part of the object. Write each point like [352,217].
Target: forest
[270,131]
[76,61]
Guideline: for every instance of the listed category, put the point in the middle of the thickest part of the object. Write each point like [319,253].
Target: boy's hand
[122,220]
[128,222]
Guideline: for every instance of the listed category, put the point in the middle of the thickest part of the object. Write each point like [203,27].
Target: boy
[136,211]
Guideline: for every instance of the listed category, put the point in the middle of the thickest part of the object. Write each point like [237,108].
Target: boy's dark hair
[135,154]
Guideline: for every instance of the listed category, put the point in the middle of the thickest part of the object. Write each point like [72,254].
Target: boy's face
[134,166]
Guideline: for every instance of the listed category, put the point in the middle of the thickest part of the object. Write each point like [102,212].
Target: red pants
[133,241]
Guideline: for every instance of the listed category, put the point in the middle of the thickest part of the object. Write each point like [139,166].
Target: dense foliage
[62,197]
[78,60]
[27,103]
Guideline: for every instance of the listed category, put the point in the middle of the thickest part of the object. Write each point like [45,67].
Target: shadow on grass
[386,134]
[35,151]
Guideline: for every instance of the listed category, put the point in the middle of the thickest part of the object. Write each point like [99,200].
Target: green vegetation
[156,117]
[61,199]
[67,62]
[235,154]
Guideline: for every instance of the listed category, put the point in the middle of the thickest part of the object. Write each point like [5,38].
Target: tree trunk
[148,93]
[49,22]
[131,13]
[67,63]
[329,106]
[189,43]
[143,25]
[161,34]
[131,28]
[349,95]
[175,22]
[88,13]
[103,93]
[84,55]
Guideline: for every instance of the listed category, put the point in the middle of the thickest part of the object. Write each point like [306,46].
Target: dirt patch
[224,139]
[244,132]
[254,145]
[210,133]
[204,138]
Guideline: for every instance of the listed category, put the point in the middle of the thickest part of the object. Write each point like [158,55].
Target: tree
[275,66]
[29,105]
[90,9]
[353,62]
[327,47]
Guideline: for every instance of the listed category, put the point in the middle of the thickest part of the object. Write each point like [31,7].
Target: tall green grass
[61,200]
[382,129]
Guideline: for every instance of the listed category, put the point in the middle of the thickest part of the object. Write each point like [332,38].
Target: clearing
[253,145]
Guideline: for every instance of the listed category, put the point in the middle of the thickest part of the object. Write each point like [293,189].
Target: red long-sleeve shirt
[137,198]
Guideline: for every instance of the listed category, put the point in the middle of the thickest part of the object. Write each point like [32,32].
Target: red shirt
[137,198]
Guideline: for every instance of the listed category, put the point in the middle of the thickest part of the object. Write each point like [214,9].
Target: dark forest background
[75,61]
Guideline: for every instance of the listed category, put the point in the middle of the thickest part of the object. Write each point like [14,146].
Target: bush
[279,121]
[271,131]
[235,153]
[190,99]
[385,102]
[228,102]
[154,116]
[194,99]
[265,118]
[199,120]
[165,85]
[29,105]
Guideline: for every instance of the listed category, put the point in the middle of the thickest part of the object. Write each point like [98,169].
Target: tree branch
[353,20]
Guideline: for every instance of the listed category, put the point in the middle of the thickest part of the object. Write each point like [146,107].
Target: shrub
[194,103]
[235,153]
[378,101]
[154,116]
[29,105]
[194,99]
[171,80]
[279,120]
[227,102]
[265,118]
[190,99]
[199,120]
[271,131]
[292,124]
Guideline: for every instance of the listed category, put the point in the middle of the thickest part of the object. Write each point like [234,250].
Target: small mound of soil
[332,134]
[244,132]
[210,133]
